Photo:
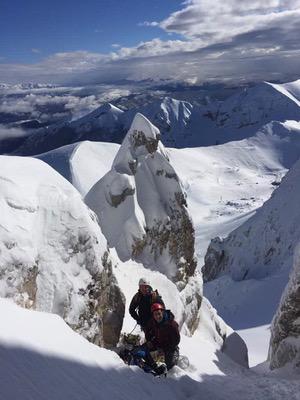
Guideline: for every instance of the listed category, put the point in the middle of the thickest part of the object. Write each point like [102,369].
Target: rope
[132,329]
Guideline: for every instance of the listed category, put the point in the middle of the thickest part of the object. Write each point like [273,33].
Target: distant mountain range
[202,122]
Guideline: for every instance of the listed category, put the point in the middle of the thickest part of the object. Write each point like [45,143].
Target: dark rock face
[214,260]
[117,199]
[285,331]
[106,308]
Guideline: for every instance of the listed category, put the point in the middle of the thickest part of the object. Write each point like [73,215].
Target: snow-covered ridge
[181,123]
[53,255]
[256,106]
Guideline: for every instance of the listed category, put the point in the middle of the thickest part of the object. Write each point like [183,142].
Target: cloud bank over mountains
[231,40]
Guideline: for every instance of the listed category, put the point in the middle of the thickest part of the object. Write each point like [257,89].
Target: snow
[258,340]
[225,186]
[37,365]
[221,119]
[50,242]
[256,267]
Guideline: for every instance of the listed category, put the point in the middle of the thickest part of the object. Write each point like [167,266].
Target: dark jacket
[140,306]
[164,335]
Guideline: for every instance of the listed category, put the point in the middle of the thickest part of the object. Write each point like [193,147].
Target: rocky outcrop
[141,206]
[214,260]
[143,214]
[53,255]
[285,330]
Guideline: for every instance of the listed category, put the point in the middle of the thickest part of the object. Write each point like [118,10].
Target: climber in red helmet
[162,333]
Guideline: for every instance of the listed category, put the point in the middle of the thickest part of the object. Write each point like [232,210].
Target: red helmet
[157,306]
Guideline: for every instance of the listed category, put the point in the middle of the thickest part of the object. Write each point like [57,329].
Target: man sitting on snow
[162,333]
[140,306]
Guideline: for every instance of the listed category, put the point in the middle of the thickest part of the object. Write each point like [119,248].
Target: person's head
[157,311]
[144,286]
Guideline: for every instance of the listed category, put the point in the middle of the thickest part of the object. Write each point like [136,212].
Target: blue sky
[33,29]
[105,41]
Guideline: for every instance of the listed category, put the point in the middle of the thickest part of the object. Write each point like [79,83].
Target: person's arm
[133,306]
[174,337]
[150,336]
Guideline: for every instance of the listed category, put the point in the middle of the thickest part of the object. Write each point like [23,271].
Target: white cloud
[58,103]
[148,23]
[10,133]
[224,34]
[223,20]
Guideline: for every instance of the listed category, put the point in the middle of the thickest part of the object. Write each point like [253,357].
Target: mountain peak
[141,124]
[142,139]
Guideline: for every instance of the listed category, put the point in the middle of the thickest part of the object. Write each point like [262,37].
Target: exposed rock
[106,308]
[285,331]
[28,288]
[214,260]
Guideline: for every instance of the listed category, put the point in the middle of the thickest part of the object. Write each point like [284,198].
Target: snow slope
[52,251]
[83,163]
[256,259]
[62,365]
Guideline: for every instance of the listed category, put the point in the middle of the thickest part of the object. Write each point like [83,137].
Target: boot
[160,370]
